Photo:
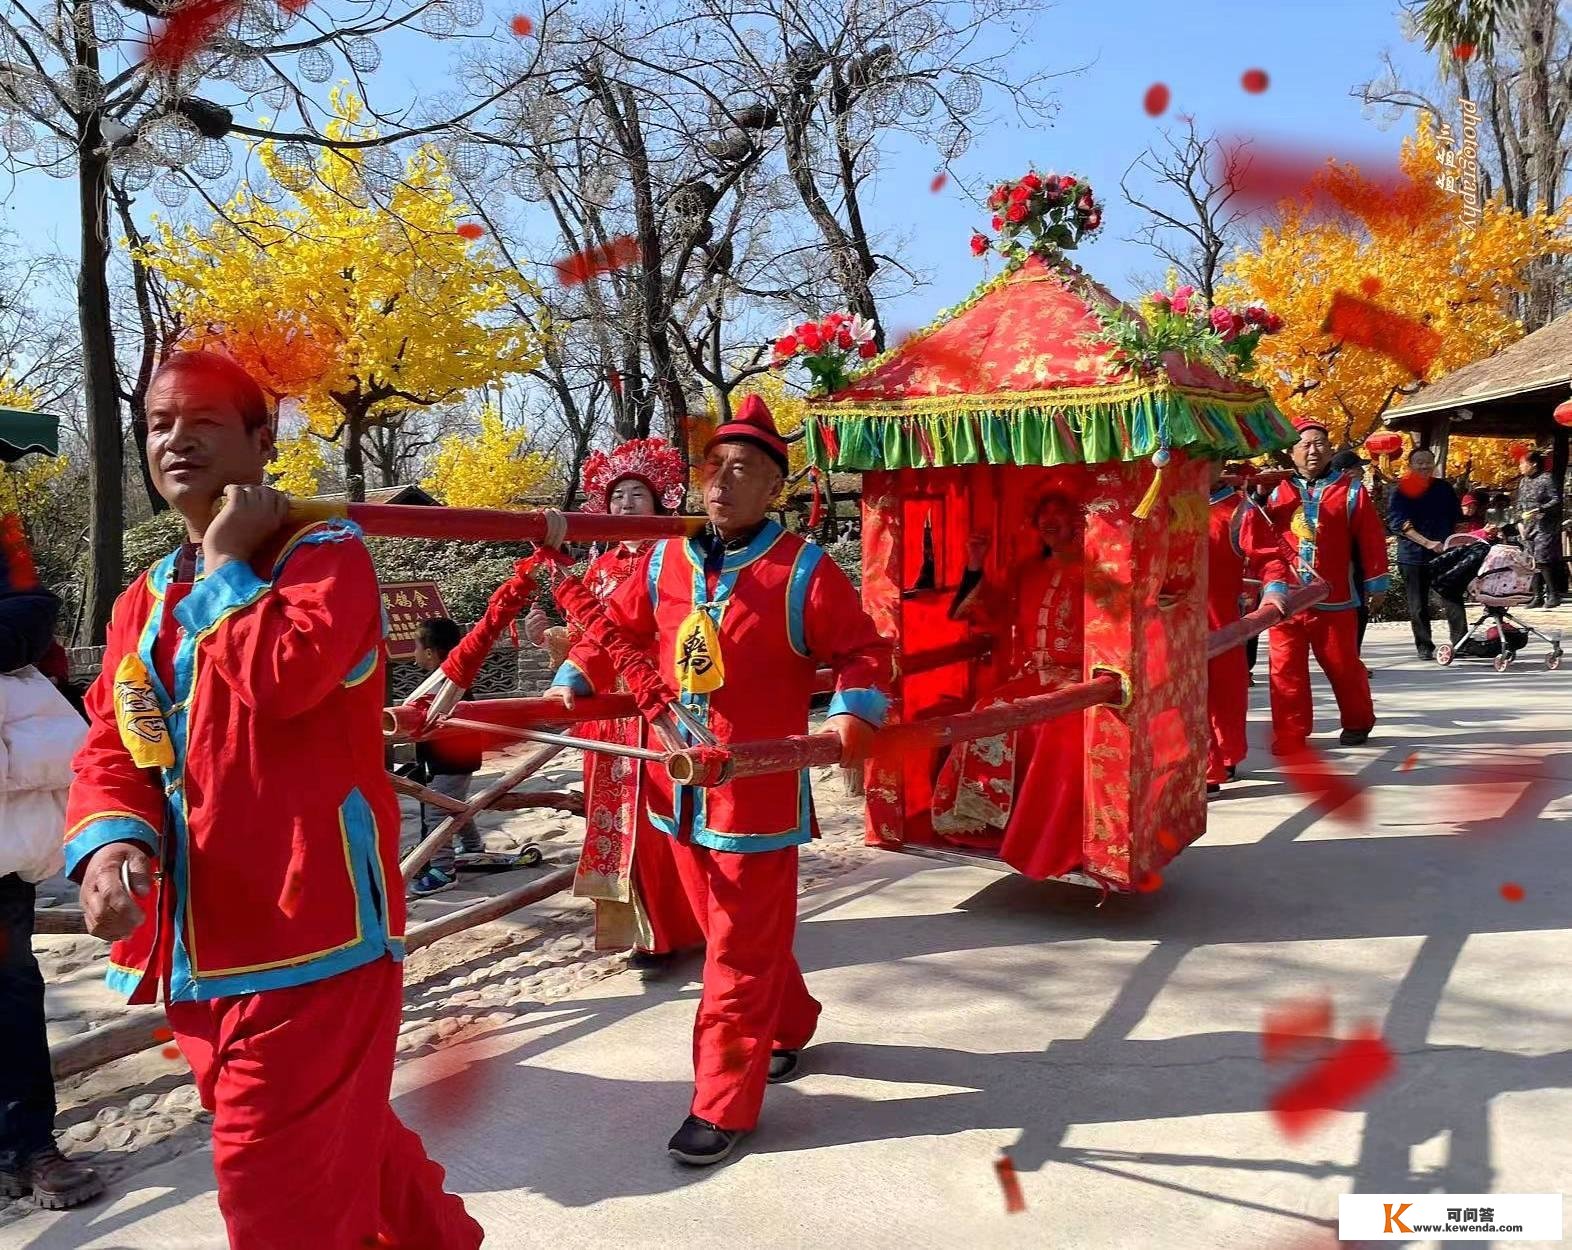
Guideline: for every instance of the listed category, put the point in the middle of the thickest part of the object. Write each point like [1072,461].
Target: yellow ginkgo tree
[491,469]
[356,309]
[1403,249]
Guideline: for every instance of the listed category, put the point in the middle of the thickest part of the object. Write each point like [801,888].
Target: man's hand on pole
[856,737]
[562,694]
[249,517]
[111,909]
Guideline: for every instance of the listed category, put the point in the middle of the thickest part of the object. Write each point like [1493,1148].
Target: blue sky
[1313,51]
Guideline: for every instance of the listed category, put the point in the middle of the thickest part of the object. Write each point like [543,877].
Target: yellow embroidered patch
[700,668]
[1301,527]
[137,715]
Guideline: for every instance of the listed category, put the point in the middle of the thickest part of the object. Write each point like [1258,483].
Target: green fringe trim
[1060,433]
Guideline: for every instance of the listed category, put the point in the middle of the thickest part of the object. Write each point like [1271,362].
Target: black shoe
[784,1065]
[1354,737]
[1233,772]
[1213,787]
[650,962]
[1428,654]
[56,1183]
[699,1143]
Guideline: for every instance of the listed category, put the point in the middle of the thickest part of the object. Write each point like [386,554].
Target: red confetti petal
[1014,1199]
[1407,342]
[1342,1078]
[1150,883]
[187,31]
[1370,285]
[939,179]
[1262,176]
[1290,1027]
[1464,52]
[620,252]
[1308,773]
[470,230]
[1169,842]
[1155,101]
[1254,81]
[614,379]
[170,1052]
[522,26]
[1512,891]
[163,1035]
[1408,763]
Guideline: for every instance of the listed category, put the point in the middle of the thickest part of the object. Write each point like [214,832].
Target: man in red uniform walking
[1241,541]
[738,620]
[234,833]
[1326,517]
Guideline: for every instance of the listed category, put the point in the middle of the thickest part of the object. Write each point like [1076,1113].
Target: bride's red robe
[626,865]
[1020,794]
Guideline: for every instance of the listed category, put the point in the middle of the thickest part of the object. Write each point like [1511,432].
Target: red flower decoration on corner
[1045,214]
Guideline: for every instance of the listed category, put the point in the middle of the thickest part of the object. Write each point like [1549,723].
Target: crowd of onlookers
[1425,513]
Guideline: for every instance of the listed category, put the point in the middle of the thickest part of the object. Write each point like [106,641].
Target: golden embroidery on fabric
[138,717]
[700,668]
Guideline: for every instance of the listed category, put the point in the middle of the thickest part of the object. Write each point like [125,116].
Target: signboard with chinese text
[407,604]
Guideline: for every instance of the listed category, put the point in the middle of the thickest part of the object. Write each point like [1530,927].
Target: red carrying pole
[1263,618]
[398,520]
[711,766]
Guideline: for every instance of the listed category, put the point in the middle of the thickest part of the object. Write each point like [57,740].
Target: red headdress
[653,461]
[1310,423]
[753,423]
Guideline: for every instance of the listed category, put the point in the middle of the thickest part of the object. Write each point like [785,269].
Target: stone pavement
[1115,1052]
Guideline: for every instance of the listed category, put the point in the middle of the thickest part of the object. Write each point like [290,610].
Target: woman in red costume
[1020,793]
[639,901]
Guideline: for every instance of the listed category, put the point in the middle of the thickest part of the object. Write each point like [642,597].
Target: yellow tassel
[137,715]
[1149,500]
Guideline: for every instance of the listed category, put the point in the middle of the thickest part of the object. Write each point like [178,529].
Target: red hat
[1310,423]
[653,461]
[752,423]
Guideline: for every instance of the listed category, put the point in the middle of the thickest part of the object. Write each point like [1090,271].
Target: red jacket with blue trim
[1241,540]
[1326,521]
[781,609]
[275,827]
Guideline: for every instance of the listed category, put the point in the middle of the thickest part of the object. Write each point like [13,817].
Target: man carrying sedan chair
[234,833]
[739,619]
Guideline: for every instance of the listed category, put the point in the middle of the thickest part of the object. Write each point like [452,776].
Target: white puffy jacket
[39,733]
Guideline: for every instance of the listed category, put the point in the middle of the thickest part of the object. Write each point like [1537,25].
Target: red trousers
[754,998]
[1334,637]
[307,1151]
[661,894]
[1228,708]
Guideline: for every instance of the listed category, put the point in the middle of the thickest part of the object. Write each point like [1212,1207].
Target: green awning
[22,432]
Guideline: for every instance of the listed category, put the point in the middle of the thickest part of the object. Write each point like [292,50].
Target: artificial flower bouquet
[1042,213]
[1178,319]
[827,349]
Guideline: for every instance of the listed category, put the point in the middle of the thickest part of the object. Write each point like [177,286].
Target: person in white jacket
[39,733]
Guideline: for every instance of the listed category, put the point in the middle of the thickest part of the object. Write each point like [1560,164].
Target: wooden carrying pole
[1300,599]
[398,520]
[711,766]
[553,882]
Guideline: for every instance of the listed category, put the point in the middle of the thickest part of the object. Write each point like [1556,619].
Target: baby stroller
[1498,577]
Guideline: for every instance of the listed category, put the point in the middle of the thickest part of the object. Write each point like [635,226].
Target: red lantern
[1384,443]
[1563,413]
